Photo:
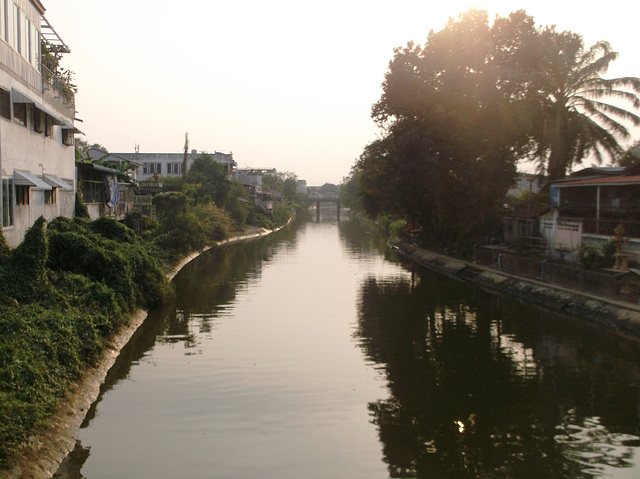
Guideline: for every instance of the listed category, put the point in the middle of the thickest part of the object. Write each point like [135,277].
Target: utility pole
[186,156]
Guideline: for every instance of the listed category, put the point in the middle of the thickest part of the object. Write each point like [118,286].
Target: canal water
[315,353]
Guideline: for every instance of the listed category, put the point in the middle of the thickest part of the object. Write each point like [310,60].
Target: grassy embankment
[68,288]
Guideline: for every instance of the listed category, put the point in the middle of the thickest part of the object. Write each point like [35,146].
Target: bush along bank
[63,293]
[72,284]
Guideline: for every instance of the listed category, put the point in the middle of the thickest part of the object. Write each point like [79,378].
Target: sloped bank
[45,451]
[621,316]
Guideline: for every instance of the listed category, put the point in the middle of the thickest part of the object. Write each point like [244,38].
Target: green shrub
[41,351]
[113,230]
[81,210]
[215,223]
[5,252]
[395,227]
[26,273]
[282,214]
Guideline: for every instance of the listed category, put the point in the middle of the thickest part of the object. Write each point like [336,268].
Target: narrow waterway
[314,353]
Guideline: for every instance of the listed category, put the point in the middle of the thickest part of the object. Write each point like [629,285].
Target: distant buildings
[154,165]
[37,111]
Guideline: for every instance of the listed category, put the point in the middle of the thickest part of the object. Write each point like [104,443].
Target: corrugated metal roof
[57,182]
[602,181]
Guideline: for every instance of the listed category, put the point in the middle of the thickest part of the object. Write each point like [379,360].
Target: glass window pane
[3,20]
[7,202]
[12,25]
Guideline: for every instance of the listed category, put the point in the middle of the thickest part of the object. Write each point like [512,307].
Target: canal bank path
[621,316]
[42,456]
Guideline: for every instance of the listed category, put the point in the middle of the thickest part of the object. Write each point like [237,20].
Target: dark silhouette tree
[453,118]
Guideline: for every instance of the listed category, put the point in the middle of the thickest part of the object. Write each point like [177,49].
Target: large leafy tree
[580,112]
[210,178]
[453,123]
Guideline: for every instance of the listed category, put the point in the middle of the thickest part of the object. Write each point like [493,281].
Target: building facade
[162,165]
[37,111]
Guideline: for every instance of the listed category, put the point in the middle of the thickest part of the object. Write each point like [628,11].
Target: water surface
[315,353]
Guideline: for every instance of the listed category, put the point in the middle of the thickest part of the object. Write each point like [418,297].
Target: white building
[525,183]
[37,111]
[155,165]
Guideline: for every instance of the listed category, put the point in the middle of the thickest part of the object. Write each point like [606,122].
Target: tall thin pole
[186,156]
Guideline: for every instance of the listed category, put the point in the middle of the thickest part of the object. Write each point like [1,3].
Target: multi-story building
[37,111]
[156,165]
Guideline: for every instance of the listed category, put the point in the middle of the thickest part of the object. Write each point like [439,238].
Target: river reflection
[487,388]
[317,353]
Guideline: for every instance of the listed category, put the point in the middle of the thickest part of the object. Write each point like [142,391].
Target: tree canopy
[210,178]
[576,112]
[458,113]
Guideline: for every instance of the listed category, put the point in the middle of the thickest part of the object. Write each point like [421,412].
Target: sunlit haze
[281,84]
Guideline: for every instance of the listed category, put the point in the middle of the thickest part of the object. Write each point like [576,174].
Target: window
[48,125]
[22,195]
[152,168]
[30,117]
[5,104]
[92,191]
[12,25]
[175,168]
[67,136]
[34,46]
[7,202]
[50,196]
[145,168]
[38,120]
[3,20]
[20,113]
[24,35]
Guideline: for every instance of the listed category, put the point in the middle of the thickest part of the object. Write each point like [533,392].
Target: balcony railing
[51,81]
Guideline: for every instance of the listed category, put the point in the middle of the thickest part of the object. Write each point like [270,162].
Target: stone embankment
[620,315]
[44,453]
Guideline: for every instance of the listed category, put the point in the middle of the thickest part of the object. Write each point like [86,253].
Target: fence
[600,282]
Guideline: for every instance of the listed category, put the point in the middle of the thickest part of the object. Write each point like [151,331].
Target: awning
[18,97]
[56,182]
[23,178]
[104,169]
[65,125]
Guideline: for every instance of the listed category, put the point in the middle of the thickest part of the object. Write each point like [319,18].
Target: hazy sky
[280,83]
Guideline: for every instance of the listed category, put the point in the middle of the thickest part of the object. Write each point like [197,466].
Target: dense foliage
[64,290]
[459,112]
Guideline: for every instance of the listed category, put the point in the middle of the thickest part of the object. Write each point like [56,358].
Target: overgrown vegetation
[72,283]
[64,290]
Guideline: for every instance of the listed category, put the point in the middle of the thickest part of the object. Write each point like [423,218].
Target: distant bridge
[316,199]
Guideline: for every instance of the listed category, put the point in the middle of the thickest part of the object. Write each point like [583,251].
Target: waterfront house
[107,184]
[251,179]
[587,207]
[37,113]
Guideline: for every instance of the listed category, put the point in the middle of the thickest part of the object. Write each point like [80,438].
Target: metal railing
[51,80]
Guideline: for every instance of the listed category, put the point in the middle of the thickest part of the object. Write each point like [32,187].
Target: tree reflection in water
[485,387]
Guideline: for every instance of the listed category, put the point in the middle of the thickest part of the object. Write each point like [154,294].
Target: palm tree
[573,120]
